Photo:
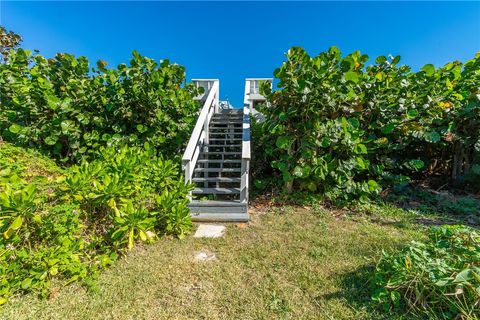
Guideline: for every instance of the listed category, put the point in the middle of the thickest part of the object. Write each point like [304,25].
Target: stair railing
[245,166]
[200,133]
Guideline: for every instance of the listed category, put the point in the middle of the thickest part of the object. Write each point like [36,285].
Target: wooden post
[244,181]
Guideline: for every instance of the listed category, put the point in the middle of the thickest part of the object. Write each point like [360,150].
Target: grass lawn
[288,263]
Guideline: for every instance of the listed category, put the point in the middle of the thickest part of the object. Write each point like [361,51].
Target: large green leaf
[351,76]
[432,136]
[15,128]
[388,128]
[283,142]
[51,140]
[429,69]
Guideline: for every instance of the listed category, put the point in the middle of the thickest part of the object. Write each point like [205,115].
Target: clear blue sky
[235,40]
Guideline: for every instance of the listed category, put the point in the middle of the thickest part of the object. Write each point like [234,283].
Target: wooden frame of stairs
[213,149]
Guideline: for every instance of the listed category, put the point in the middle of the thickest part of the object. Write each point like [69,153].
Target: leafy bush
[118,128]
[68,110]
[439,278]
[343,128]
[131,187]
[67,224]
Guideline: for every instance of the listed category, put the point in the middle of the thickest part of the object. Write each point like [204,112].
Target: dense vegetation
[116,133]
[439,278]
[345,129]
[68,110]
[68,223]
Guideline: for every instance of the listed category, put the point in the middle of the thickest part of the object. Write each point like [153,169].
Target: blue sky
[235,40]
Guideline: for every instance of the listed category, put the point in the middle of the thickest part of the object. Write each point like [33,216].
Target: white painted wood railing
[245,153]
[199,135]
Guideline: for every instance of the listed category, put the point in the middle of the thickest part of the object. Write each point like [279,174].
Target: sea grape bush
[84,215]
[439,278]
[69,110]
[344,128]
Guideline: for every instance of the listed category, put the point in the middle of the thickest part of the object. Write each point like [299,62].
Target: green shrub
[68,110]
[40,241]
[68,224]
[439,278]
[345,129]
[130,191]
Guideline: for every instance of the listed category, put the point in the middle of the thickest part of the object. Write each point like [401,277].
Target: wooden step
[226,131]
[225,139]
[227,153]
[216,191]
[223,146]
[227,126]
[222,170]
[216,203]
[218,211]
[228,120]
[220,216]
[217,179]
[225,122]
[226,134]
[236,116]
[230,111]
[230,130]
[219,161]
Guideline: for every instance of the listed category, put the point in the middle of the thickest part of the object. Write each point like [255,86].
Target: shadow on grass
[357,289]
[435,207]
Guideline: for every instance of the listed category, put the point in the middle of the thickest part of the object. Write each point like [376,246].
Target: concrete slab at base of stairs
[209,231]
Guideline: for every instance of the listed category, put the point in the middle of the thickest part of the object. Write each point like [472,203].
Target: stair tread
[230,126]
[217,179]
[216,203]
[218,170]
[223,145]
[230,116]
[222,152]
[216,217]
[215,190]
[219,161]
[225,121]
[227,127]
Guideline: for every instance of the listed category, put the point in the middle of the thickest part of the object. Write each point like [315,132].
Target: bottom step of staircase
[221,211]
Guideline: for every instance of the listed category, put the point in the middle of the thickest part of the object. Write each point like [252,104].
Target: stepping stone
[204,255]
[209,231]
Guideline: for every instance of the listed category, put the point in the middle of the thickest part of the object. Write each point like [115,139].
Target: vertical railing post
[245,164]
[244,181]
[187,169]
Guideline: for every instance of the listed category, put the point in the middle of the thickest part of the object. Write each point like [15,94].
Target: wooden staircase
[217,160]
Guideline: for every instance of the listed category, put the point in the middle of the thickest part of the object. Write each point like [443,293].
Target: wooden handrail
[200,133]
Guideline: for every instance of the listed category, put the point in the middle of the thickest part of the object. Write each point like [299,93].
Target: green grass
[288,263]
